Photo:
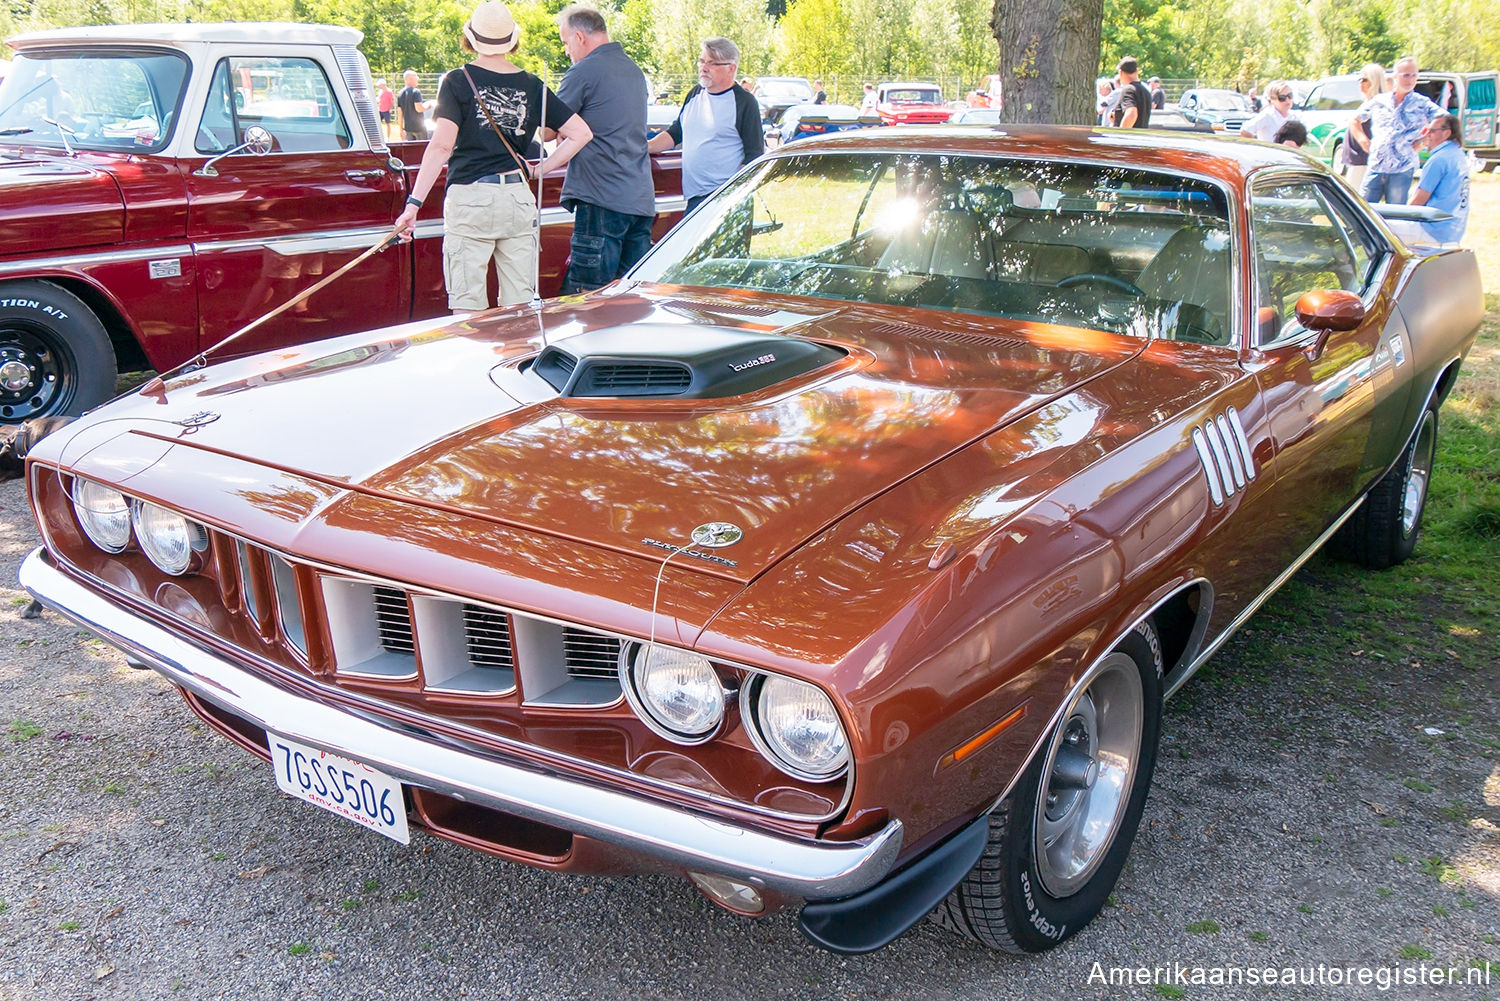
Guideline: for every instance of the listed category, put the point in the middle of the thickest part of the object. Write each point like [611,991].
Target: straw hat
[492,31]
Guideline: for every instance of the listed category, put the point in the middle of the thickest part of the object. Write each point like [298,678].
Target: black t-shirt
[1136,96]
[407,101]
[514,101]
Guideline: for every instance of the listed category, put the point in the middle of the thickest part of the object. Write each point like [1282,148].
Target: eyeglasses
[713,62]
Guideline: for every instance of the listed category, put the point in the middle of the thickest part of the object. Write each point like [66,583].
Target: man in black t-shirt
[1134,108]
[411,104]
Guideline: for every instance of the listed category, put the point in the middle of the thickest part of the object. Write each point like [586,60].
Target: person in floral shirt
[1396,120]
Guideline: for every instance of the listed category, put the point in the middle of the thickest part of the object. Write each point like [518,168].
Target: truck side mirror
[257,141]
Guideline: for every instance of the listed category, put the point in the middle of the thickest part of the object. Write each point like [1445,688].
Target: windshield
[92,100]
[1127,251]
[1222,101]
[795,89]
[914,95]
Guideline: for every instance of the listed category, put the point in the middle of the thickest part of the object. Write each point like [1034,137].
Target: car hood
[459,423]
[81,205]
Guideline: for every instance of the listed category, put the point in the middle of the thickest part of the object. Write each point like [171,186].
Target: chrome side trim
[433,760]
[1221,456]
[323,242]
[142,253]
[1254,606]
[1210,468]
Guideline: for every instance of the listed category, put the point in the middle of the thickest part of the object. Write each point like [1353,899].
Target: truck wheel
[55,355]
[1383,532]
[1058,841]
[1337,162]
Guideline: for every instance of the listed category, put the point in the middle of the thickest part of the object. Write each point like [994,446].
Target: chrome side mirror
[257,141]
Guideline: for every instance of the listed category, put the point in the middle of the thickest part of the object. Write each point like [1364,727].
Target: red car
[911,104]
[842,556]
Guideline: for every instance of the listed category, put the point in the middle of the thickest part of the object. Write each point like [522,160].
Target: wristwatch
[414,200]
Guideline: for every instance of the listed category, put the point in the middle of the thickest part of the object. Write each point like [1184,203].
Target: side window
[290,98]
[1302,243]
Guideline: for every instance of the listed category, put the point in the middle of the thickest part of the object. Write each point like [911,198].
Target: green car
[1332,102]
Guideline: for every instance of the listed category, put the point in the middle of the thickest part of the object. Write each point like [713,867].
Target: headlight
[169,539]
[798,729]
[676,693]
[104,514]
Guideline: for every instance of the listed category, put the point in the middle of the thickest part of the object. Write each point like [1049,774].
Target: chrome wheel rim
[1418,474]
[1087,776]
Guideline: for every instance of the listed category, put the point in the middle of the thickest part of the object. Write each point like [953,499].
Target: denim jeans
[606,244]
[1392,187]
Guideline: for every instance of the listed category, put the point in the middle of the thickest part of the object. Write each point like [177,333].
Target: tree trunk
[1049,54]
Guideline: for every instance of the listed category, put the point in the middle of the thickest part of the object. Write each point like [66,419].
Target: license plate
[349,788]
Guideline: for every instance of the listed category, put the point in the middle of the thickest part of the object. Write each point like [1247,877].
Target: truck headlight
[797,728]
[168,539]
[676,693]
[104,514]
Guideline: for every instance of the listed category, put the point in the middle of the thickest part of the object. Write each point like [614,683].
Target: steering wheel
[1089,277]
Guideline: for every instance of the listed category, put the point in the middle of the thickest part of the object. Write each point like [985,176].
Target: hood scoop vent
[675,360]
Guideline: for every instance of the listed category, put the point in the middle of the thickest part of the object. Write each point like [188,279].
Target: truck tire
[55,355]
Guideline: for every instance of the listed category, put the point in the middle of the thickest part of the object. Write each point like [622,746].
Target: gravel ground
[1297,819]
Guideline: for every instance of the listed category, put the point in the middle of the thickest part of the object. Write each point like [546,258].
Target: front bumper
[809,869]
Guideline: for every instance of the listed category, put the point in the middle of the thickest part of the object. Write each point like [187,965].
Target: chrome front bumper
[422,758]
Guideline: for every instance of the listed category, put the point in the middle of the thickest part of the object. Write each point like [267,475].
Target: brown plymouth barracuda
[841,556]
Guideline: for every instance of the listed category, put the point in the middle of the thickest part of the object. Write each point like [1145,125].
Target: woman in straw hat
[487,115]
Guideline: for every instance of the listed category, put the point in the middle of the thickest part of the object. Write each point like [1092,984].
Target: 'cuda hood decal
[461,425]
[46,204]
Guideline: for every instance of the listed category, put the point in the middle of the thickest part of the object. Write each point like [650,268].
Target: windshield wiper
[19,130]
[64,131]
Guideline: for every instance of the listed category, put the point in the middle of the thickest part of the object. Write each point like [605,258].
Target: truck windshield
[92,99]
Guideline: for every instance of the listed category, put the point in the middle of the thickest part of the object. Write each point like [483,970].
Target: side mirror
[257,141]
[1327,310]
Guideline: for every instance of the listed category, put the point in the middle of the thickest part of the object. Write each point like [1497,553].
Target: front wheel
[1383,532]
[1059,840]
[55,355]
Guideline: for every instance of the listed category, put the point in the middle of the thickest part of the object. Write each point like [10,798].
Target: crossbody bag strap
[521,163]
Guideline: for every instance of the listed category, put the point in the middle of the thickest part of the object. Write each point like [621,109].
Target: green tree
[1146,29]
[802,39]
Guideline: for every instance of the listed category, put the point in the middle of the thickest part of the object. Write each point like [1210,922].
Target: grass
[24,729]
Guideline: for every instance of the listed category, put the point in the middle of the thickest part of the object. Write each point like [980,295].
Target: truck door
[1479,112]
[264,228]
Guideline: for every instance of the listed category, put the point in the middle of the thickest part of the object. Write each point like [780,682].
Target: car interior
[1103,248]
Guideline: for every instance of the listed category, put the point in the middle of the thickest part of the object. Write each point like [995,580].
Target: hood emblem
[717,534]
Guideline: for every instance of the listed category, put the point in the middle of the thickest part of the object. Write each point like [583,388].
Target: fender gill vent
[1224,451]
[393,620]
[591,655]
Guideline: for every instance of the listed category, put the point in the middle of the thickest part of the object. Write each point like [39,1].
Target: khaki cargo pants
[483,222]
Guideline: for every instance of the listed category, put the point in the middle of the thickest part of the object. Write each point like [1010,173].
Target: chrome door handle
[364,175]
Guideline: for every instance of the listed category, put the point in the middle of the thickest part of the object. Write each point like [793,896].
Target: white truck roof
[261,32]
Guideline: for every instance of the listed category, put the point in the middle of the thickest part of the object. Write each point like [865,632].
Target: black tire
[1383,532]
[1010,900]
[55,355]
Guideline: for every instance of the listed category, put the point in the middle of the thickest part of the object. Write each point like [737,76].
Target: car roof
[260,32]
[1180,152]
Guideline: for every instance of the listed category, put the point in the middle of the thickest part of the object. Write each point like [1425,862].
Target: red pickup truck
[137,229]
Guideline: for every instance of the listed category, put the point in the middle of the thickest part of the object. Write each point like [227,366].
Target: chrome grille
[591,655]
[487,638]
[393,618]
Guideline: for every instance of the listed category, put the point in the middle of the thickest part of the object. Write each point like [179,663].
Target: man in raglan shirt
[718,127]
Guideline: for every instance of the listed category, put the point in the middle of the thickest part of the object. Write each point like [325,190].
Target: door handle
[361,176]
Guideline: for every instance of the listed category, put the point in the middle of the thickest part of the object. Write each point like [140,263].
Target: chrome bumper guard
[808,869]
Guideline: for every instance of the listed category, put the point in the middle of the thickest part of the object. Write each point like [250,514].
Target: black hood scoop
[684,361]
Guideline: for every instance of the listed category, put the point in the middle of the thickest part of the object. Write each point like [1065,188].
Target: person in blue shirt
[1445,179]
[1390,124]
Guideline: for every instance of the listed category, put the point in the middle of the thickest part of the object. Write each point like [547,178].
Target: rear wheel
[1383,532]
[1058,841]
[55,355]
